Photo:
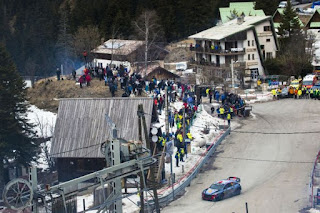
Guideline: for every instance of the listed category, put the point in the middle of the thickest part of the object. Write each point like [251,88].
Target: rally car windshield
[217,186]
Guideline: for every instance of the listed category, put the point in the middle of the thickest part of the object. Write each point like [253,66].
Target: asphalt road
[274,168]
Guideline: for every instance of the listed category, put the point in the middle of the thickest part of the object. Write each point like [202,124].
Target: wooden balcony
[240,65]
[231,51]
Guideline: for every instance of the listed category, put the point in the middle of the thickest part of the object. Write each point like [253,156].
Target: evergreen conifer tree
[290,21]
[267,6]
[17,139]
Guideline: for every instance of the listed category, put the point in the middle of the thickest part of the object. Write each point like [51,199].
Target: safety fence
[168,194]
[312,182]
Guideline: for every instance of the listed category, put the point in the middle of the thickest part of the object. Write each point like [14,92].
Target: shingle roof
[155,67]
[229,28]
[82,123]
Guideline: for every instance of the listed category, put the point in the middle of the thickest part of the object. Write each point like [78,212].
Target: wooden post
[184,128]
[141,193]
[167,112]
[140,174]
[155,194]
[247,207]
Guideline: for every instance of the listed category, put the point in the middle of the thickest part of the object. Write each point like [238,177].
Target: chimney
[240,19]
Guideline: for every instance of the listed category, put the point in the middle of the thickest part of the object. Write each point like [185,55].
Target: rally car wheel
[220,197]
[238,191]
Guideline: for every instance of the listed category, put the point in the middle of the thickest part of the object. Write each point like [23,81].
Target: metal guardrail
[180,186]
[312,196]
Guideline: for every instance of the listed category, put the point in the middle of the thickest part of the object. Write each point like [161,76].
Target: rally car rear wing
[234,178]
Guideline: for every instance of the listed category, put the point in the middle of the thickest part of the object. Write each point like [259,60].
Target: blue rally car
[222,189]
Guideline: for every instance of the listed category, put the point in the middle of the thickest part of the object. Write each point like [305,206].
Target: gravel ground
[274,168]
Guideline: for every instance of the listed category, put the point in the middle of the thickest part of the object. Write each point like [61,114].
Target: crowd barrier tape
[166,197]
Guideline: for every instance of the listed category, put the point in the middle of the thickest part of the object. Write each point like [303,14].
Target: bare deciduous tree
[149,30]
[46,129]
[86,38]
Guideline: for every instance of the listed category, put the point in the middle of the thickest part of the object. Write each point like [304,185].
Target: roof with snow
[118,47]
[230,28]
[81,124]
[247,8]
[156,70]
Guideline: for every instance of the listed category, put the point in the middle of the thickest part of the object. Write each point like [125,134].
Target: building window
[254,74]
[267,28]
[262,47]
[252,56]
[253,43]
[248,43]
[248,57]
[269,55]
[268,39]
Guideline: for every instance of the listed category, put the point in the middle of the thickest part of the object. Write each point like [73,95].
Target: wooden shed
[81,127]
[158,72]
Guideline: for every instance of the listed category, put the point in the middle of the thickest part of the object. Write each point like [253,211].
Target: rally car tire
[238,192]
[220,197]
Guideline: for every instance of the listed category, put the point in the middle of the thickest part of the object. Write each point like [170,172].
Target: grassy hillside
[47,92]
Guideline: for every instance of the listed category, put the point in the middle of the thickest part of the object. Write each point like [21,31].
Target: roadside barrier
[312,196]
[167,195]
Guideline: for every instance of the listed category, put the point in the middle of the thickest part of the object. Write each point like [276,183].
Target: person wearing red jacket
[85,55]
[86,71]
[82,80]
[88,79]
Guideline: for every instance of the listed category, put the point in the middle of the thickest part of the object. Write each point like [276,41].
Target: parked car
[305,1]
[284,92]
[222,189]
[294,3]
[282,4]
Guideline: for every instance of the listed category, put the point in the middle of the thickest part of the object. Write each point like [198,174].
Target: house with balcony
[243,43]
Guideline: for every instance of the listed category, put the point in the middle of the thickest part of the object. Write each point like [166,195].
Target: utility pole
[115,187]
[34,183]
[167,133]
[184,128]
[153,185]
[167,112]
[141,178]
[232,73]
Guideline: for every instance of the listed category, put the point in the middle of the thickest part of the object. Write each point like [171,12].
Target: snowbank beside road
[314,211]
[44,122]
[257,97]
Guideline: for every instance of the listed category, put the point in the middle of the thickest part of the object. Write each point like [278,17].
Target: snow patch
[44,122]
